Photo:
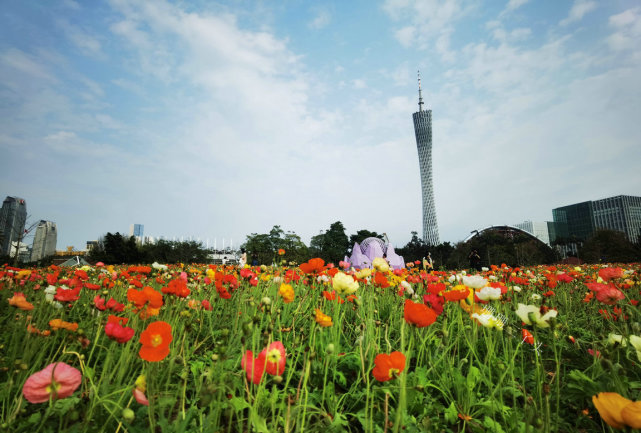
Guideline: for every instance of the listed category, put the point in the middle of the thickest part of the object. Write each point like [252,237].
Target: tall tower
[423,132]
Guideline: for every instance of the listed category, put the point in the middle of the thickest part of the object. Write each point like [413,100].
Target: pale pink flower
[141,397]
[57,380]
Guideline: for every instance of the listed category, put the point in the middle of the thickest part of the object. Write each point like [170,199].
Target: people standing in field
[243,258]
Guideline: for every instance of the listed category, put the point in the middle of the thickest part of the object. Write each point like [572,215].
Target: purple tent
[369,249]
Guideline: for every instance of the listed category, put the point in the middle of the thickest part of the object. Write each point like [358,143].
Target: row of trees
[117,248]
[334,244]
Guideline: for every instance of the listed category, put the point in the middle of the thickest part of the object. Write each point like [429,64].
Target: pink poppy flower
[141,397]
[57,380]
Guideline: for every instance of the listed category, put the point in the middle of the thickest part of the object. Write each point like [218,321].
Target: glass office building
[580,221]
[13,217]
[423,131]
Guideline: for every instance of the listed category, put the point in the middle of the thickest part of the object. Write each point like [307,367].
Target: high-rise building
[579,221]
[136,230]
[13,217]
[423,131]
[538,229]
[44,242]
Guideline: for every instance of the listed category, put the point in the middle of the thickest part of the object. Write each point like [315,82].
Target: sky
[218,119]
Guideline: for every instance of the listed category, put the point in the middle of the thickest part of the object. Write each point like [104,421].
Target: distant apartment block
[579,221]
[538,229]
[44,241]
[13,217]
[136,230]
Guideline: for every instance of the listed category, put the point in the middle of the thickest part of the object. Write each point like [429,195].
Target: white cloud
[578,11]
[627,27]
[515,4]
[359,84]
[321,20]
[427,22]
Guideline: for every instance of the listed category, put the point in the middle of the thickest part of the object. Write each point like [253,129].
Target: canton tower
[423,132]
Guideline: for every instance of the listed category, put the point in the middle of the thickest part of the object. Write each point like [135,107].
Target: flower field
[315,347]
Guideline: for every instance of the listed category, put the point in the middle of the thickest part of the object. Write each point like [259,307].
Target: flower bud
[128,414]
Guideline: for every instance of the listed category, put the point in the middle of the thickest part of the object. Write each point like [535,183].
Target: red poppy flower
[67,295]
[254,367]
[608,274]
[527,336]
[275,358]
[388,367]
[435,301]
[419,314]
[177,287]
[155,341]
[121,334]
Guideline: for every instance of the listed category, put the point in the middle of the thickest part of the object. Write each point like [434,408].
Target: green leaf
[473,377]
[492,425]
[259,423]
[239,403]
[62,406]
[451,413]
[34,418]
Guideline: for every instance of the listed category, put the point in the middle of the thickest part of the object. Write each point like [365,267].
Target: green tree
[415,249]
[265,246]
[608,246]
[332,245]
[361,235]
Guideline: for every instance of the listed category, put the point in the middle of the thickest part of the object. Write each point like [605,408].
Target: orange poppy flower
[281,252]
[456,295]
[419,314]
[323,319]
[313,266]
[388,367]
[56,324]
[155,341]
[19,300]
[617,411]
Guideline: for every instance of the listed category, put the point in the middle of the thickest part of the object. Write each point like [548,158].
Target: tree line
[333,244]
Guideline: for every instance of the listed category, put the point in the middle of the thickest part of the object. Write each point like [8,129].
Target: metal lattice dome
[368,241]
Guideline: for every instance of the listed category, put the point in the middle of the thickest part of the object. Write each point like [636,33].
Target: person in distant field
[243,258]
[254,259]
[224,260]
[475,260]
[428,263]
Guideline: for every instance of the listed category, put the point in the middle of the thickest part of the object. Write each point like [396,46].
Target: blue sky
[221,119]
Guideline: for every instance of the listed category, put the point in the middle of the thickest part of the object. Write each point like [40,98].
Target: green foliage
[118,249]
[264,247]
[608,246]
[361,235]
[332,245]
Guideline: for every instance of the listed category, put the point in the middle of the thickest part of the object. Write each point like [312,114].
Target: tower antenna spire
[420,94]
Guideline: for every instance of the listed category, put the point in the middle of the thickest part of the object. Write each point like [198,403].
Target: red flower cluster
[177,287]
[116,331]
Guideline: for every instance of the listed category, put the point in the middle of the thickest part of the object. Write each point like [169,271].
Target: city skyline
[199,118]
